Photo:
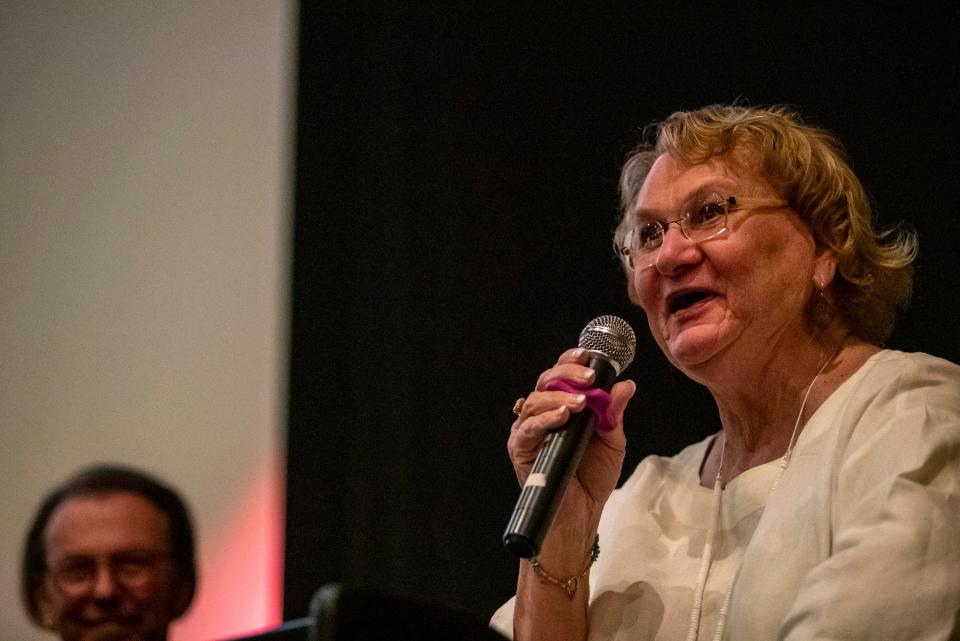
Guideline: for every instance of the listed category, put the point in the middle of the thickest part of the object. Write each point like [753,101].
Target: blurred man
[109,557]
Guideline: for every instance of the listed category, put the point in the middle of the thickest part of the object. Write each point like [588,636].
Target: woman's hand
[599,469]
[544,610]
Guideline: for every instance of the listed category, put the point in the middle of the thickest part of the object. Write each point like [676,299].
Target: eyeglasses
[76,575]
[701,219]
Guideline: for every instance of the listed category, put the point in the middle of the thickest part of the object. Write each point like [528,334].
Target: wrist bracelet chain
[572,584]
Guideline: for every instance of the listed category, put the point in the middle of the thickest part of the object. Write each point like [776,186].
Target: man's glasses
[76,575]
[701,219]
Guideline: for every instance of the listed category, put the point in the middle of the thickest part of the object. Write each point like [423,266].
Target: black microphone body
[555,464]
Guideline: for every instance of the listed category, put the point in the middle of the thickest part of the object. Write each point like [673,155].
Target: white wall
[145,188]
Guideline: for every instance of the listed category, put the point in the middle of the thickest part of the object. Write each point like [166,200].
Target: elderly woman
[828,505]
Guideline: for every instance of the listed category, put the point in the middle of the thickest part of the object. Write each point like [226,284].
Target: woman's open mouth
[680,302]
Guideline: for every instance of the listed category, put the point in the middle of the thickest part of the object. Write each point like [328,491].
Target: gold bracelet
[572,584]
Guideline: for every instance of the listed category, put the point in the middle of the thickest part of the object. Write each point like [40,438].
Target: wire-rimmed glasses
[700,219]
[75,576]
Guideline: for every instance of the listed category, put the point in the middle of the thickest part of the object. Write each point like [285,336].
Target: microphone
[610,343]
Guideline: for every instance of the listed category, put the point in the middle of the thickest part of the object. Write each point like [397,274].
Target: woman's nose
[676,252]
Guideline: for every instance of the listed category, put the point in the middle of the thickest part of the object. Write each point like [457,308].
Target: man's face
[109,573]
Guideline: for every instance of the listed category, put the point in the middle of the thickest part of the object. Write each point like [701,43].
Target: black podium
[295,630]
[342,613]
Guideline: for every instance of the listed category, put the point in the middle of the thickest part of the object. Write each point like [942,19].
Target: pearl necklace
[715,520]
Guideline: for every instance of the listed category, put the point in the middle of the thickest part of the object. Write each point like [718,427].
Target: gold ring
[518,405]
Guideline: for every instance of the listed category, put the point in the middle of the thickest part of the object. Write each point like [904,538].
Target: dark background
[455,197]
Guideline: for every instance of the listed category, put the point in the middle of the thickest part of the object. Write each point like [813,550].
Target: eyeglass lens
[700,219]
[78,574]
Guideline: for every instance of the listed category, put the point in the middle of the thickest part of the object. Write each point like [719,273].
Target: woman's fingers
[542,402]
[545,410]
[570,366]
[548,410]
[542,411]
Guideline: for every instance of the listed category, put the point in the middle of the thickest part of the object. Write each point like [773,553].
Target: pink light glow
[241,571]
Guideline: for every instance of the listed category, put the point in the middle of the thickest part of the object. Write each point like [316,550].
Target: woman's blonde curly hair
[809,166]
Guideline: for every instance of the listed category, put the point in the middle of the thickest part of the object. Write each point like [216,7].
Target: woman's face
[736,297]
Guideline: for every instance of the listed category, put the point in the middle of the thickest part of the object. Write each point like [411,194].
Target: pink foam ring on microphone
[598,401]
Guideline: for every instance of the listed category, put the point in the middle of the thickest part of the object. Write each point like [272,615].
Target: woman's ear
[824,268]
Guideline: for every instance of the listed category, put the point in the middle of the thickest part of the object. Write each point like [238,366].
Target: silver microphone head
[612,337]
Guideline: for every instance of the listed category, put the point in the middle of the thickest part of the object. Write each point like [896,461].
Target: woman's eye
[706,212]
[650,235]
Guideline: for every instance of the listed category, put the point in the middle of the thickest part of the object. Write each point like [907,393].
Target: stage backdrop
[455,194]
[144,231]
